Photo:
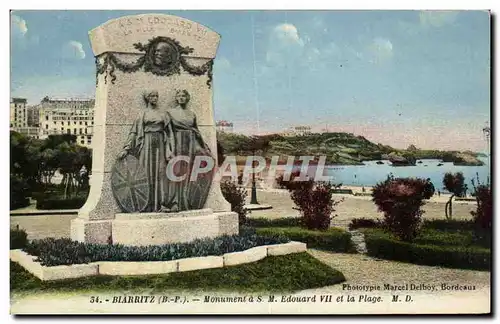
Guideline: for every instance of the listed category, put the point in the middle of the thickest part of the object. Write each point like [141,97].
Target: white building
[299,130]
[67,116]
[224,126]
[20,118]
[18,112]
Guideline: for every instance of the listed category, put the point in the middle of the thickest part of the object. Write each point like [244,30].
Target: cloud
[287,34]
[285,45]
[437,18]
[18,26]
[380,50]
[73,50]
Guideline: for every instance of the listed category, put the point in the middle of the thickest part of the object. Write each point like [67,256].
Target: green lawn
[279,274]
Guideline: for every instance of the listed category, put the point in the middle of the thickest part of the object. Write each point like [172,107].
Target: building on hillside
[224,126]
[299,130]
[67,116]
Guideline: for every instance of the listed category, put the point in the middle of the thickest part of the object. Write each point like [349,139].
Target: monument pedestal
[141,229]
[162,65]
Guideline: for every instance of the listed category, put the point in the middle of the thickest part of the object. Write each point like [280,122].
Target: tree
[412,148]
[18,144]
[49,165]
[455,184]
[25,158]
[71,159]
[53,141]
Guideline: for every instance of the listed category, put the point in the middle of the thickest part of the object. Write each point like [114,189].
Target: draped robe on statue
[150,141]
[188,142]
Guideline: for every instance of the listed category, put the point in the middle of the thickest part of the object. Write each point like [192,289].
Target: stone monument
[153,107]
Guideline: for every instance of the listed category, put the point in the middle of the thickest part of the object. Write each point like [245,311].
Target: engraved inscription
[151,23]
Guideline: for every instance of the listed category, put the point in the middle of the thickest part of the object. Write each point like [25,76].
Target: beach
[353,206]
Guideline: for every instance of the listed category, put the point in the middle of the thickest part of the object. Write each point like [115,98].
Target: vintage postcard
[250,162]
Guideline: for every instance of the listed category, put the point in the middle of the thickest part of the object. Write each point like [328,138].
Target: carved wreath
[162,56]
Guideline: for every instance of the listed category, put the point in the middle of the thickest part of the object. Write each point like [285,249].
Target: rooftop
[18,100]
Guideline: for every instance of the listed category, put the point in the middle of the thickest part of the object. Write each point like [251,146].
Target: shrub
[53,252]
[236,196]
[18,192]
[454,183]
[315,203]
[400,200]
[483,215]
[60,203]
[18,238]
[429,189]
[365,223]
[381,245]
[333,239]
[287,184]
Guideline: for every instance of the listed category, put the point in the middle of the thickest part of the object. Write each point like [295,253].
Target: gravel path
[360,269]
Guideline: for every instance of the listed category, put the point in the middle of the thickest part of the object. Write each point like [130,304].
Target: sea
[372,173]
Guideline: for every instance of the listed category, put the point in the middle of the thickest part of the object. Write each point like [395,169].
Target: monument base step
[155,228]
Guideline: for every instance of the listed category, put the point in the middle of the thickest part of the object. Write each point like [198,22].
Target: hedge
[18,238]
[53,252]
[382,245]
[437,224]
[333,239]
[59,203]
[356,223]
[449,224]
[17,202]
[277,222]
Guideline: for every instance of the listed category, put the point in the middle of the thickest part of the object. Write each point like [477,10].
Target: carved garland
[162,56]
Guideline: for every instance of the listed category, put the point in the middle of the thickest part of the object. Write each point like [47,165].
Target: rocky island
[343,149]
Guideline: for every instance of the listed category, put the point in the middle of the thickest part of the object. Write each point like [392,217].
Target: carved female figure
[139,177]
[188,142]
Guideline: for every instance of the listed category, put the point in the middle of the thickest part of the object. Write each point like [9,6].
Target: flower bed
[55,252]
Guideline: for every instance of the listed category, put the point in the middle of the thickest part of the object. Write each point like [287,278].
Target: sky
[395,77]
